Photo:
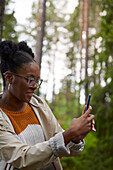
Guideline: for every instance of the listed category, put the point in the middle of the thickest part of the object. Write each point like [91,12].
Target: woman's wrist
[68,136]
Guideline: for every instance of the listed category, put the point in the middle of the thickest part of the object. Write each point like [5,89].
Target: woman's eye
[31,80]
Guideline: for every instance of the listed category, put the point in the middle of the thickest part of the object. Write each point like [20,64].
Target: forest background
[82,42]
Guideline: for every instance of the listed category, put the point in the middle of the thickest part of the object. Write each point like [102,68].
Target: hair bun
[24,47]
[8,49]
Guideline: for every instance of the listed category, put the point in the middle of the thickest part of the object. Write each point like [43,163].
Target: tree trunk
[40,35]
[81,39]
[81,47]
[2,9]
[54,61]
[96,28]
[84,41]
[86,46]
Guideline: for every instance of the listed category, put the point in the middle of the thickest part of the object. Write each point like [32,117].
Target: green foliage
[106,26]
[98,146]
[64,110]
[10,23]
[74,25]
[86,159]
[102,100]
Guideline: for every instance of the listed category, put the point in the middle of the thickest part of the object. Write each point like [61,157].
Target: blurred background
[73,45]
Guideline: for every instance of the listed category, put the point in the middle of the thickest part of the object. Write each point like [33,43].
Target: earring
[9,85]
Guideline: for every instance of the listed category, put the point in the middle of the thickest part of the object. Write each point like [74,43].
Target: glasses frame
[29,79]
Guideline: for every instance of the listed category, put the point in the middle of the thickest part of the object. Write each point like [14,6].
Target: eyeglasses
[30,80]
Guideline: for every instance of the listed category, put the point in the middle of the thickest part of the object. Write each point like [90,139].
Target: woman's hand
[92,122]
[81,137]
[80,127]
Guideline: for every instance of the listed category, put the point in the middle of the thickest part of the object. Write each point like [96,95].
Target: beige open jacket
[14,153]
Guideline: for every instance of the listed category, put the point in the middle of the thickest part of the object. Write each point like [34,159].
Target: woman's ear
[8,77]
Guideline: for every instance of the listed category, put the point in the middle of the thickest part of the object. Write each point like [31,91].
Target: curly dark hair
[13,55]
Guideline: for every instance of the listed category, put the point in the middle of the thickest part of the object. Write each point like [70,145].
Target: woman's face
[19,88]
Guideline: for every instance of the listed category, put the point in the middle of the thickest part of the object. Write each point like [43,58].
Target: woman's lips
[29,94]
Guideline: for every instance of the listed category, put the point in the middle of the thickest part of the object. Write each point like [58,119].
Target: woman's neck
[11,103]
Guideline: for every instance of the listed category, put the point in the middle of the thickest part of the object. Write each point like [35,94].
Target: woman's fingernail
[90,107]
[93,129]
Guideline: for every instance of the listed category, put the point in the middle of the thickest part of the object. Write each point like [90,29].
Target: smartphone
[88,101]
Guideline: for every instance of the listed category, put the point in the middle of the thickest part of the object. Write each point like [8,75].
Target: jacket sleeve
[57,141]
[59,149]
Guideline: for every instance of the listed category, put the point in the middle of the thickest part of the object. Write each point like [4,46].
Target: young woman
[30,136]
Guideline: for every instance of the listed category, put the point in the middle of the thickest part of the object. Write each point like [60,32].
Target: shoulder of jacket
[36,100]
[5,123]
[1,115]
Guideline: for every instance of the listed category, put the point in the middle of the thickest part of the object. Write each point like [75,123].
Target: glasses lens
[38,83]
[33,82]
